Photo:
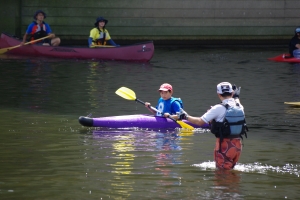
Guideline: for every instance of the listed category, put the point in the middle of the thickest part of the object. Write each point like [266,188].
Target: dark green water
[46,154]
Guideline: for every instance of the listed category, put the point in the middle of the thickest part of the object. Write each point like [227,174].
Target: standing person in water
[166,103]
[99,35]
[38,29]
[227,123]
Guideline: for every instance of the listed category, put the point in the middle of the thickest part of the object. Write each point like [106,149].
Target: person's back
[227,121]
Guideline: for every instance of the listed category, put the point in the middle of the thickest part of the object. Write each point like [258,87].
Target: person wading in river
[227,123]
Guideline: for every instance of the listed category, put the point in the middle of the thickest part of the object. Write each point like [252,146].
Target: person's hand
[147,104]
[52,35]
[237,91]
[166,115]
[182,114]
[22,43]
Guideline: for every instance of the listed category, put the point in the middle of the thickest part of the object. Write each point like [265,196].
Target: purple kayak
[139,121]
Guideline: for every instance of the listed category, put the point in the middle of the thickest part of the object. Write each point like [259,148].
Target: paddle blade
[293,103]
[2,51]
[126,93]
[185,125]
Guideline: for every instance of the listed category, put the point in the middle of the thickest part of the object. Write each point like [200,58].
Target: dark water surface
[46,154]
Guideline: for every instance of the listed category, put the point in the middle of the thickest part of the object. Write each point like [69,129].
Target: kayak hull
[285,58]
[139,121]
[142,52]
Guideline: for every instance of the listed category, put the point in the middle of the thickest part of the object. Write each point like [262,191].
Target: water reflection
[39,75]
[227,184]
[161,151]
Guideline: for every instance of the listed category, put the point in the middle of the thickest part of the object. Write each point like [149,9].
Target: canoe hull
[142,52]
[127,121]
[285,58]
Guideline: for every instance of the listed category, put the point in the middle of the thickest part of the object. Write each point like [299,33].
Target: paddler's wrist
[187,117]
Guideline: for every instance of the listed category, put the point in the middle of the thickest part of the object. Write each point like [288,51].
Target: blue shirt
[171,106]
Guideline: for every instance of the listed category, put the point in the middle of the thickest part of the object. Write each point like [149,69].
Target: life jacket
[102,40]
[165,106]
[233,126]
[38,31]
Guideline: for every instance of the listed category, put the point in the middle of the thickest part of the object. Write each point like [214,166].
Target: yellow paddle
[128,94]
[293,103]
[4,50]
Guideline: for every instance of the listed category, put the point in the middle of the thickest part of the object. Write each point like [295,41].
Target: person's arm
[27,33]
[111,42]
[148,105]
[176,106]
[49,31]
[24,39]
[90,41]
[193,120]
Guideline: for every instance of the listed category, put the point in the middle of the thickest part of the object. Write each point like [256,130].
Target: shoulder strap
[225,105]
[177,99]
[104,35]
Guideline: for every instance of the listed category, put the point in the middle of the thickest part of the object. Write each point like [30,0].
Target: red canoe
[142,52]
[285,58]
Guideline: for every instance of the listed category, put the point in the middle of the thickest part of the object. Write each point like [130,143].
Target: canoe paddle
[4,50]
[128,94]
[103,46]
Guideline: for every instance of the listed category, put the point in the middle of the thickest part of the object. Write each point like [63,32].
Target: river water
[46,154]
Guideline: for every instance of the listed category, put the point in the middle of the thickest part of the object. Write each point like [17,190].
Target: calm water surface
[46,154]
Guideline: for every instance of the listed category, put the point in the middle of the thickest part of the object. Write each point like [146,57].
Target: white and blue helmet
[297,30]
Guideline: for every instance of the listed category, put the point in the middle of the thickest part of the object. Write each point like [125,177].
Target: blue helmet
[37,12]
[99,19]
[297,30]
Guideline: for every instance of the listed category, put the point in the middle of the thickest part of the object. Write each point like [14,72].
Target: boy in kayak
[227,123]
[166,103]
[99,35]
[294,46]
[38,29]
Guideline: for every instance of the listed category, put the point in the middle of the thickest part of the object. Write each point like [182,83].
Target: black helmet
[37,12]
[99,19]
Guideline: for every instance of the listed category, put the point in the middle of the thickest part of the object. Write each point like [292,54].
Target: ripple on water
[256,167]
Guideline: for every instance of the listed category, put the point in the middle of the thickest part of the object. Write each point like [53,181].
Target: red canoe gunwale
[141,52]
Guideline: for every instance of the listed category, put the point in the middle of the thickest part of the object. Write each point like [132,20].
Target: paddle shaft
[103,46]
[30,42]
[155,110]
